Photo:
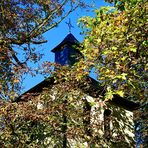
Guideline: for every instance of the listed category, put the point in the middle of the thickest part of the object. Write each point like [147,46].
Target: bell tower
[66,52]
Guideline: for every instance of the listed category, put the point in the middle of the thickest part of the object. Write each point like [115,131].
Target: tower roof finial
[69,25]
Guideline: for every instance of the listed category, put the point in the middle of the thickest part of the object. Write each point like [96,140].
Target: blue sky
[55,36]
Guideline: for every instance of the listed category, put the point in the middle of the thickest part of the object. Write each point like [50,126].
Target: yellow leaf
[120,93]
[15,81]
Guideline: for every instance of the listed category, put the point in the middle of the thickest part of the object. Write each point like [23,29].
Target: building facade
[78,115]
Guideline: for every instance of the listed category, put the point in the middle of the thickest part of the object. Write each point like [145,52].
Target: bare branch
[15,57]
[36,31]
[39,42]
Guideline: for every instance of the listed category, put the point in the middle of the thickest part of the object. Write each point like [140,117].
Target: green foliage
[116,45]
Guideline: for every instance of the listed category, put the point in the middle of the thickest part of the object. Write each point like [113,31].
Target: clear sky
[55,36]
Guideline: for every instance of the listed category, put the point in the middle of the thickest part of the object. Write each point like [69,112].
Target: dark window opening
[87,118]
[107,120]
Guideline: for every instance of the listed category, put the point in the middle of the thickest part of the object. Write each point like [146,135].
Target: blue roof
[69,39]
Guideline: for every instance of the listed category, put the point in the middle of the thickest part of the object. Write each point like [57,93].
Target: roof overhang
[91,88]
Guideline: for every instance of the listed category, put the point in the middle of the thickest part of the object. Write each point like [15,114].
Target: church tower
[66,53]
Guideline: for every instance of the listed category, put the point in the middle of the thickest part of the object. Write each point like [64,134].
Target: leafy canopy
[22,25]
[116,45]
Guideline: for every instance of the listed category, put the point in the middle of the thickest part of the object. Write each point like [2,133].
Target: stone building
[105,125]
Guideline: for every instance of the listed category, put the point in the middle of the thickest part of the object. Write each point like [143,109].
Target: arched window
[107,124]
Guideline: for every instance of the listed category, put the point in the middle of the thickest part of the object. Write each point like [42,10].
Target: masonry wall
[67,119]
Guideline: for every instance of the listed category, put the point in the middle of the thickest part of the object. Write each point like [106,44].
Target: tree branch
[15,57]
[38,28]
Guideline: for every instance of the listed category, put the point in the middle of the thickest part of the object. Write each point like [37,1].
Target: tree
[116,46]
[59,116]
[22,24]
[21,28]
[119,38]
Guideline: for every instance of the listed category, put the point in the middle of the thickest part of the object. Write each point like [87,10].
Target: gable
[84,114]
[92,88]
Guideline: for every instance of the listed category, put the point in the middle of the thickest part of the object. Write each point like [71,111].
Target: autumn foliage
[22,24]
[115,46]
